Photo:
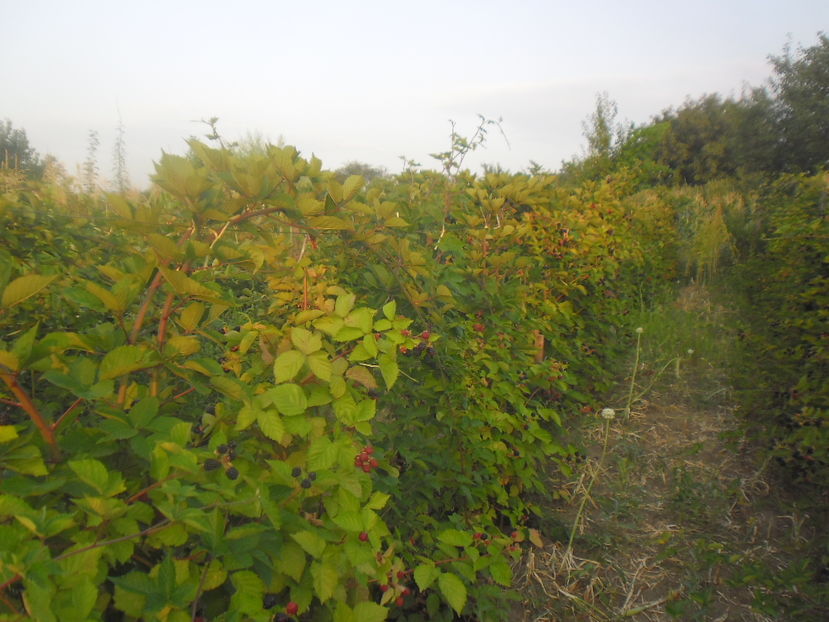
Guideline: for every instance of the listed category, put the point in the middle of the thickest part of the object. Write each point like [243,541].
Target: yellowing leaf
[362,375]
[184,285]
[352,186]
[124,360]
[183,345]
[535,538]
[7,433]
[110,300]
[24,287]
[330,223]
[9,360]
[190,317]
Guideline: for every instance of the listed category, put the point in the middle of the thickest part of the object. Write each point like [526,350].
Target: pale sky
[372,81]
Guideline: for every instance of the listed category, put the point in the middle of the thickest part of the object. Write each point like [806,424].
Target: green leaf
[292,560]
[455,537]
[362,318]
[425,575]
[320,365]
[349,333]
[345,409]
[126,359]
[453,590]
[366,410]
[349,521]
[287,365]
[378,500]
[22,347]
[231,387]
[343,613]
[344,304]
[389,369]
[131,591]
[367,611]
[305,341]
[270,424]
[288,398]
[329,324]
[93,473]
[38,599]
[249,591]
[144,411]
[390,310]
[359,353]
[24,287]
[326,578]
[26,460]
[501,571]
[322,454]
[370,344]
[310,542]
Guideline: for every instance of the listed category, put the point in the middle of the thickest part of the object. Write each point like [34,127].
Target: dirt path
[680,523]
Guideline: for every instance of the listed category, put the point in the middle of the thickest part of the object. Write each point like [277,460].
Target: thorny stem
[67,412]
[28,405]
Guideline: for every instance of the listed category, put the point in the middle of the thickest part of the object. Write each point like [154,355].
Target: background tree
[604,137]
[801,87]
[16,152]
[697,146]
[119,157]
[90,165]
[355,167]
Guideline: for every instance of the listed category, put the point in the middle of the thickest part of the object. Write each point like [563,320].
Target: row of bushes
[258,390]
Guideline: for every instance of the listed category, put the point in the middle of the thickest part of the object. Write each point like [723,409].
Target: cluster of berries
[270,601]
[365,461]
[421,346]
[226,454]
[307,481]
[400,600]
[480,536]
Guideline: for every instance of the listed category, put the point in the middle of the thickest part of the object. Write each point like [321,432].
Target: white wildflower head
[608,413]
[690,351]
[640,330]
